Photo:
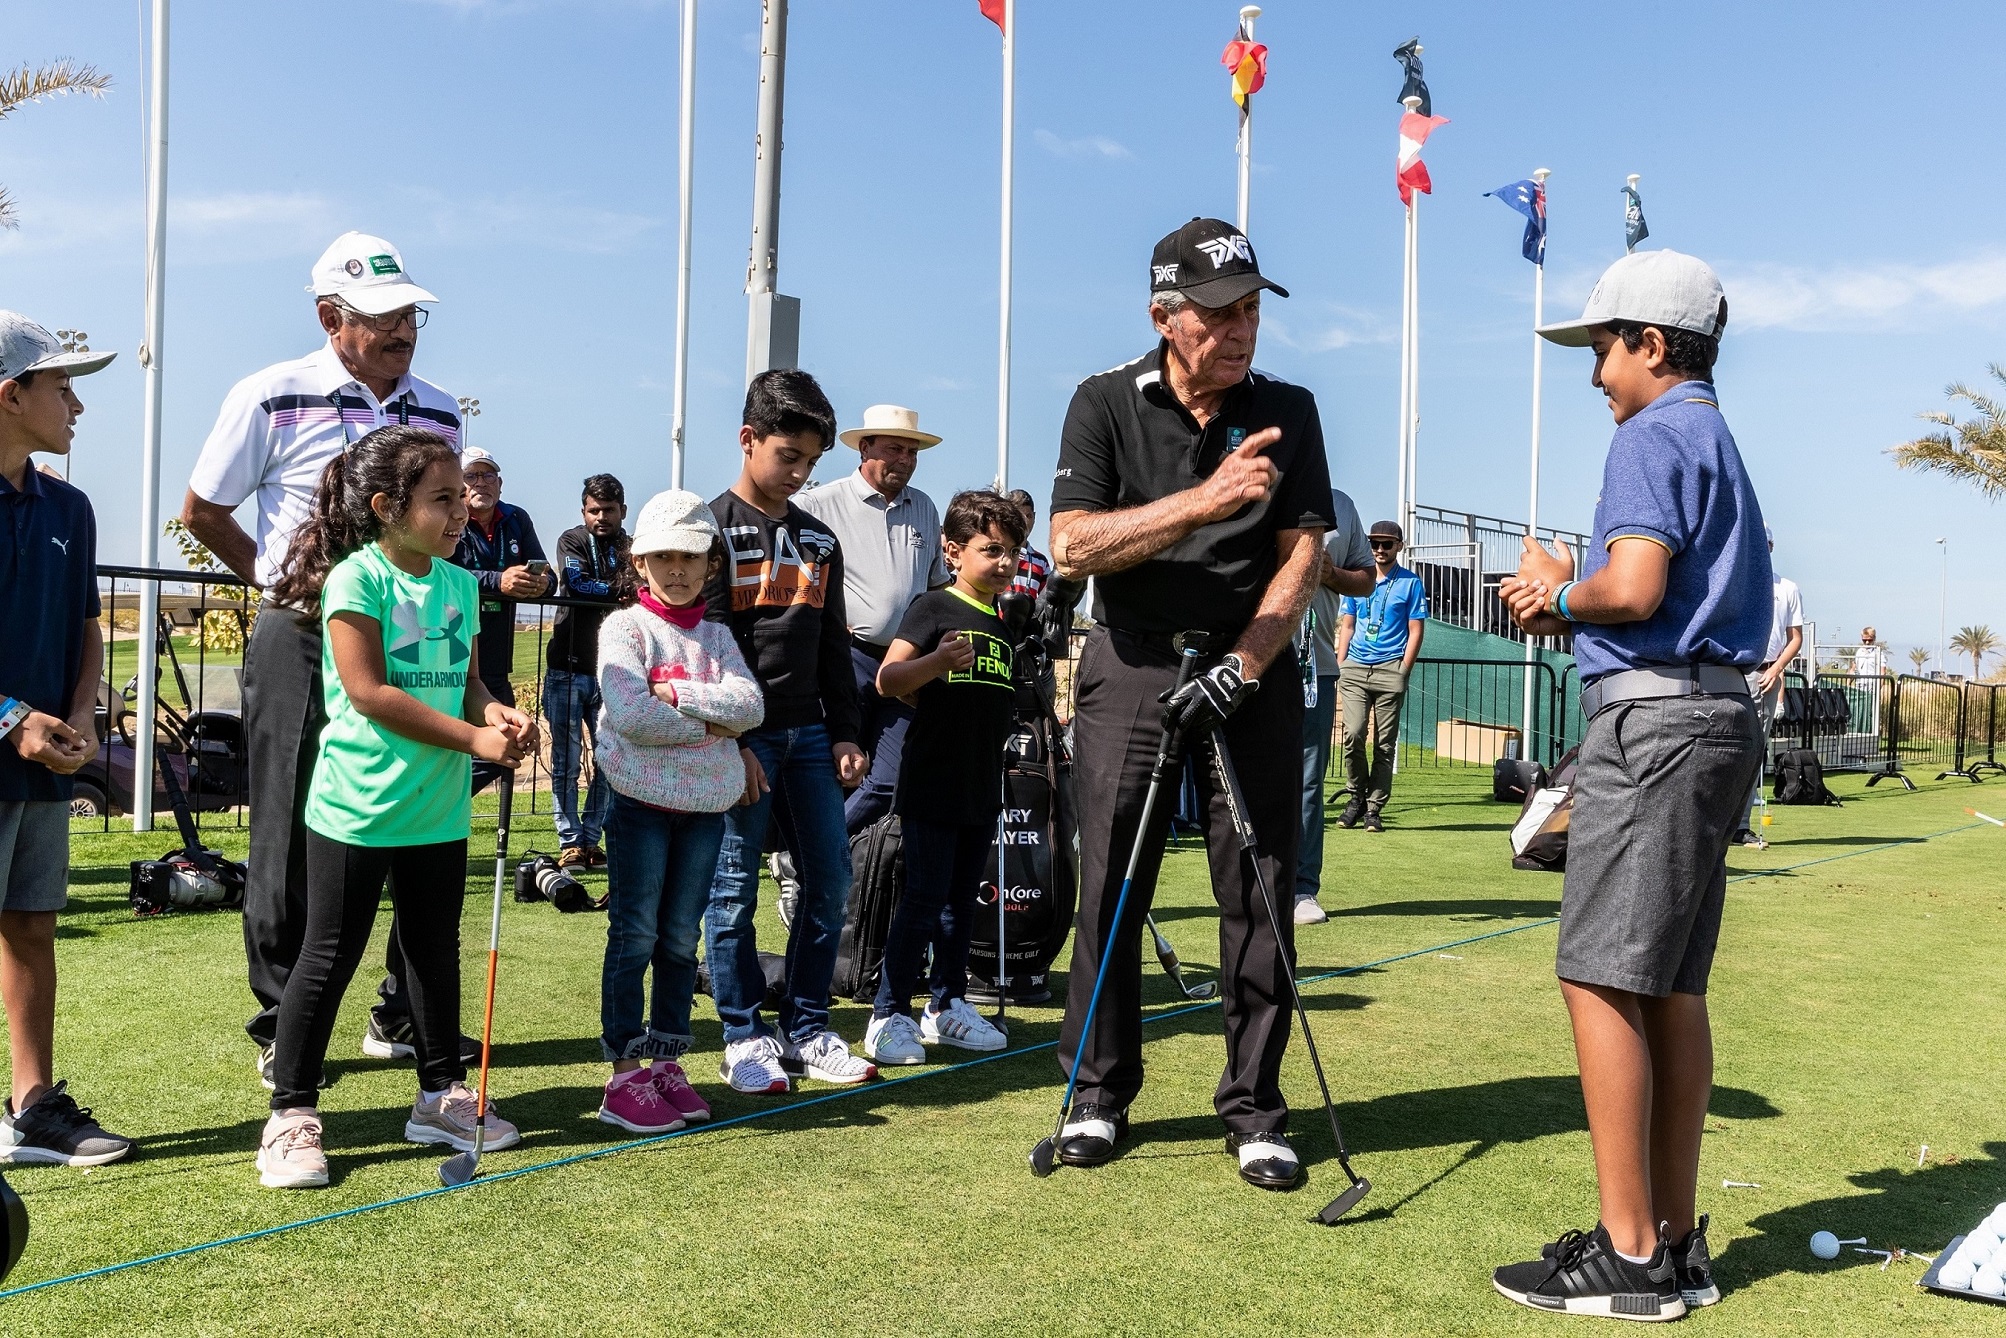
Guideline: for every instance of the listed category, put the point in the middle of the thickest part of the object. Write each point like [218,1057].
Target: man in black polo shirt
[1194,489]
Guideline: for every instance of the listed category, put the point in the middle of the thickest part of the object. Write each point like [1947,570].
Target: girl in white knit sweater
[676,695]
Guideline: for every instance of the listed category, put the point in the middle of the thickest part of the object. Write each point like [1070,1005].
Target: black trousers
[344,887]
[282,720]
[1117,725]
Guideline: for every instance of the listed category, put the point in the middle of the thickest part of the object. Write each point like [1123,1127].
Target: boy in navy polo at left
[51,653]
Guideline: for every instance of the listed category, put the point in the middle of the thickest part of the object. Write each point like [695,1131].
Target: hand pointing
[1247,475]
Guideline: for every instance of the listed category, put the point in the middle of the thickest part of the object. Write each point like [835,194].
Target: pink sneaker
[674,1085]
[634,1103]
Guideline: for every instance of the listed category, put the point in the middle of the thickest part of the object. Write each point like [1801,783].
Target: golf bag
[877,881]
[1513,778]
[1040,875]
[13,1228]
[191,878]
[1539,837]
[771,965]
[1800,779]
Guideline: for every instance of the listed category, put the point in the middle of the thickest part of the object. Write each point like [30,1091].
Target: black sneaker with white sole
[1581,1274]
[395,1036]
[56,1131]
[1695,1265]
[268,1057]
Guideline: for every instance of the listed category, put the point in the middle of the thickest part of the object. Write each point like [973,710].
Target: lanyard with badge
[1375,608]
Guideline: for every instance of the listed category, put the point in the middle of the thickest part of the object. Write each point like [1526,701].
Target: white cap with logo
[367,273]
[1667,289]
[674,522]
[474,455]
[27,347]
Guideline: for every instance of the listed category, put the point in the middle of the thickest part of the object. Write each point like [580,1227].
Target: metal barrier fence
[1461,557]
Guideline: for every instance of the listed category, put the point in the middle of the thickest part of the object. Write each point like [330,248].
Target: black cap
[1386,529]
[1210,262]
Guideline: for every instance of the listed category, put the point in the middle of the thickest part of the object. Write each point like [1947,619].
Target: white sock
[1633,1258]
[432,1098]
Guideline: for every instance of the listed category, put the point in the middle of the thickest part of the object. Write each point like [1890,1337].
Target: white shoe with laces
[894,1040]
[1308,912]
[961,1026]
[826,1056]
[753,1066]
[289,1154]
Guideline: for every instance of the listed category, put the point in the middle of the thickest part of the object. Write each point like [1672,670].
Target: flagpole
[1009,197]
[1539,176]
[686,184]
[1248,13]
[1406,346]
[149,459]
[1413,104]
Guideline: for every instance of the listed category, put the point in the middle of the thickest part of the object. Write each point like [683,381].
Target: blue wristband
[1560,600]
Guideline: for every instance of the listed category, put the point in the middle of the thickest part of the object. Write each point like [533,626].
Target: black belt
[1164,644]
[871,649]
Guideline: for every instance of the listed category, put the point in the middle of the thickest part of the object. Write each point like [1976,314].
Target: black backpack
[1513,778]
[1800,779]
[877,881]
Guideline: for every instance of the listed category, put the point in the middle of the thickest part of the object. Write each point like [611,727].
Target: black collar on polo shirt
[1153,389]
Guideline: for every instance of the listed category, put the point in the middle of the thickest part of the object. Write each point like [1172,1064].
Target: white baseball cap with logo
[1668,289]
[474,455]
[367,273]
[27,347]
[674,522]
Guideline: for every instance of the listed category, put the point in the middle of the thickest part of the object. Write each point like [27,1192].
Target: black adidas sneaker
[1581,1274]
[1695,1267]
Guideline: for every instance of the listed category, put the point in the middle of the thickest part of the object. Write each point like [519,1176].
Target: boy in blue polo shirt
[51,652]
[1378,639]
[1671,611]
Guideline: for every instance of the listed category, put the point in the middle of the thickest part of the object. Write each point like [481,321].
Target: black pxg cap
[1209,261]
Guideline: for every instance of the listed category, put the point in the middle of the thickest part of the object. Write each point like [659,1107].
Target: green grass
[1858,1015]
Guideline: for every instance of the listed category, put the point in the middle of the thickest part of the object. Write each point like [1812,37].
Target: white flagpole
[686,185]
[1009,200]
[149,459]
[1414,370]
[1248,13]
[1406,347]
[1539,175]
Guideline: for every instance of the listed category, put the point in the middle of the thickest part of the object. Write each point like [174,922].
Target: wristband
[12,712]
[1560,600]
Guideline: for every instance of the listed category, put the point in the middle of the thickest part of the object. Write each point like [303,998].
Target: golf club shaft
[1229,784]
[1166,956]
[502,818]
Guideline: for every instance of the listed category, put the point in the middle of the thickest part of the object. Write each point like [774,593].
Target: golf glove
[1203,704]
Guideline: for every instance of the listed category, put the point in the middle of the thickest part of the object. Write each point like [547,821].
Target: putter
[1167,955]
[13,1227]
[461,1167]
[1044,1157]
[1236,808]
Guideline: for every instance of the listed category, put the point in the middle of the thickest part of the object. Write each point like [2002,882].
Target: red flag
[992,10]
[1410,172]
[1249,63]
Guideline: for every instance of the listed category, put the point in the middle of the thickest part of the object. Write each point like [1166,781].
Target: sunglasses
[1384,543]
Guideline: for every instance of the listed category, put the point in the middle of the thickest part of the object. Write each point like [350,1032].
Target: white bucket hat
[674,522]
[890,420]
[367,273]
[26,347]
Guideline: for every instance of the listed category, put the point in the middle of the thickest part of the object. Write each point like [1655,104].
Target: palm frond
[32,84]
[8,218]
[1971,451]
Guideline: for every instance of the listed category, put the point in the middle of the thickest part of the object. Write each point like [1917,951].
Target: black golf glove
[1203,704]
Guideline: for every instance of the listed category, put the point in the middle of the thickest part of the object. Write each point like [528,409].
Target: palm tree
[1974,450]
[1977,642]
[1918,657]
[29,84]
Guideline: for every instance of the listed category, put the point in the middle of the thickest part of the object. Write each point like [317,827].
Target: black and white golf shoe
[1695,1267]
[1581,1274]
[1266,1159]
[1090,1134]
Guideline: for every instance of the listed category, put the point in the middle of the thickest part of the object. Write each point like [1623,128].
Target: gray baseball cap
[27,347]
[1667,289]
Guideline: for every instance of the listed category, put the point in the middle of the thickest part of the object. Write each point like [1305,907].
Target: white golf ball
[1981,1244]
[1996,1223]
[1987,1282]
[1825,1245]
[1957,1273]
[1970,1255]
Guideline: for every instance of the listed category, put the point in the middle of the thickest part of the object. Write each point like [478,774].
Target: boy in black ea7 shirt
[951,657]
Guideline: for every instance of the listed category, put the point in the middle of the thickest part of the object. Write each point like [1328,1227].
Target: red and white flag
[1412,173]
[992,10]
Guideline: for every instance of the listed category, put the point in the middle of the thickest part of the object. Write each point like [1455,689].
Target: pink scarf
[685,618]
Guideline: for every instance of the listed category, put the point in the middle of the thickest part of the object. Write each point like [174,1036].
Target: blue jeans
[944,865]
[571,703]
[1317,723]
[658,874]
[798,765]
[885,721]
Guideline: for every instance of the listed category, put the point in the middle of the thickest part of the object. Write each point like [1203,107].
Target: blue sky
[1834,162]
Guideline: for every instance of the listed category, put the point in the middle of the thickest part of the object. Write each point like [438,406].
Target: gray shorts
[34,855]
[1658,792]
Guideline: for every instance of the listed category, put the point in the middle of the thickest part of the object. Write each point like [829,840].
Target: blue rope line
[633,1144]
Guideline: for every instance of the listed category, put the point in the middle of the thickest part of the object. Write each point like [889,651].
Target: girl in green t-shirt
[390,795]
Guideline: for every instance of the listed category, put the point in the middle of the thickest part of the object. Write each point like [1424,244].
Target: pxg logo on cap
[1211,262]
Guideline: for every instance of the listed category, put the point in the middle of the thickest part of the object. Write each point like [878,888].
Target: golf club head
[459,1168]
[1204,990]
[1042,1158]
[13,1227]
[1344,1202]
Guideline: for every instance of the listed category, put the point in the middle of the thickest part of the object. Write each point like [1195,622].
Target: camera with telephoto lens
[538,878]
[186,882]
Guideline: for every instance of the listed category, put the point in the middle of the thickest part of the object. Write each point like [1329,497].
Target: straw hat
[890,420]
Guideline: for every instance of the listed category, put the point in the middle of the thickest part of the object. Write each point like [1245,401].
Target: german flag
[1249,63]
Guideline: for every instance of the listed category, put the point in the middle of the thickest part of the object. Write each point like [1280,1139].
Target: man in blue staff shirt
[1378,640]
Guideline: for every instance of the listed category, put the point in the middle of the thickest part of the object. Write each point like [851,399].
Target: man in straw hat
[890,532]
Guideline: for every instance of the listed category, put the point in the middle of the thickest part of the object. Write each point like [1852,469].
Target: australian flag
[1528,198]
[1408,53]
[1634,227]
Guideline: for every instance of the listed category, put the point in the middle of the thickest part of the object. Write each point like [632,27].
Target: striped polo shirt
[278,429]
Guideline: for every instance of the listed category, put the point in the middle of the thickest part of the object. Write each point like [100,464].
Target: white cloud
[1335,328]
[1855,297]
[540,222]
[1087,146]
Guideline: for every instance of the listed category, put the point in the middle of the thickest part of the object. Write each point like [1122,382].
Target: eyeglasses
[389,321]
[1384,543]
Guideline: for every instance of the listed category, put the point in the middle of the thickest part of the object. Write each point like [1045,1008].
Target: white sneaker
[753,1065]
[289,1154]
[894,1040]
[960,1026]
[826,1056]
[1308,912]
[449,1121]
